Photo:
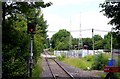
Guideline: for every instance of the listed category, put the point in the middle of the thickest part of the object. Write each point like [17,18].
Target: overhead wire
[83,30]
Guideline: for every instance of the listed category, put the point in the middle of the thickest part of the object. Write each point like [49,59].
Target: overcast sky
[68,14]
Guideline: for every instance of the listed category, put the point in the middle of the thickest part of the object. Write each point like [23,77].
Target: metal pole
[93,39]
[31,55]
[80,36]
[50,42]
[70,41]
[80,39]
[111,44]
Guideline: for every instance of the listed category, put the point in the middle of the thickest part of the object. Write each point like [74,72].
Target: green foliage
[111,10]
[38,68]
[117,75]
[93,62]
[75,41]
[60,40]
[88,42]
[81,63]
[15,47]
[16,41]
[38,47]
[98,42]
[107,41]
[89,58]
[51,50]
[97,38]
[61,57]
[100,61]
[99,45]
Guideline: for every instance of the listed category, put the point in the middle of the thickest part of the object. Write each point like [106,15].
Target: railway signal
[31,28]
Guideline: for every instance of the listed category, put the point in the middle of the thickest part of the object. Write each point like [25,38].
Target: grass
[117,75]
[103,75]
[85,62]
[38,68]
[88,61]
[82,63]
[61,57]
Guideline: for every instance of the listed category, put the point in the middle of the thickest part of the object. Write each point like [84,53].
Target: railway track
[57,71]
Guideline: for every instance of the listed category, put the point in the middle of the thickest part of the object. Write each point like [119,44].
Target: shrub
[89,58]
[51,50]
[61,57]
[37,70]
[100,61]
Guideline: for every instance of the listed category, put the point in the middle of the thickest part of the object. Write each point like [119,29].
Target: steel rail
[49,67]
[64,70]
[71,76]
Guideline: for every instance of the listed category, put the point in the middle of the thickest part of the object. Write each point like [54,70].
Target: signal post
[31,31]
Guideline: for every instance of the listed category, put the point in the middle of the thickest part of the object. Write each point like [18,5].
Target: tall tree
[97,38]
[107,41]
[98,42]
[61,40]
[88,42]
[112,10]
[75,42]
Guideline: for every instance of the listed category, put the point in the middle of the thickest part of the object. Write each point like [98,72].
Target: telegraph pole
[93,38]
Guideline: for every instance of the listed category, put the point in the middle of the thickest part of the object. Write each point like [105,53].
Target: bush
[78,63]
[89,58]
[117,75]
[37,70]
[51,50]
[100,61]
[61,57]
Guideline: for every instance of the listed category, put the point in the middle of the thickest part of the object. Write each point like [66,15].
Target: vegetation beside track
[77,62]
[16,38]
[95,62]
[38,68]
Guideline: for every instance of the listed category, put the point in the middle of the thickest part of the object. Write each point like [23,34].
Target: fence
[76,53]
